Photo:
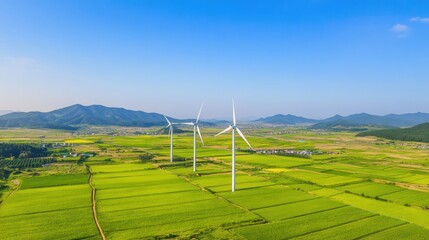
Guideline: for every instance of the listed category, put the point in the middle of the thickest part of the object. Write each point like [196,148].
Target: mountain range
[286,119]
[354,120]
[4,112]
[69,117]
[75,115]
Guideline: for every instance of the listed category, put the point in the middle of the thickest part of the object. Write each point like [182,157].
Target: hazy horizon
[246,118]
[308,58]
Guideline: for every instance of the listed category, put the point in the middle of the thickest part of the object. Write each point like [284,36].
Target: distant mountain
[332,119]
[411,119]
[176,130]
[67,118]
[357,122]
[4,112]
[340,125]
[419,133]
[364,119]
[75,115]
[286,119]
[214,122]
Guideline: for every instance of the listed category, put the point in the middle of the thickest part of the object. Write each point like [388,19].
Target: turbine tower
[196,129]
[234,128]
[170,132]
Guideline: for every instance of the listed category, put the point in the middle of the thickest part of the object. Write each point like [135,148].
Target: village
[293,152]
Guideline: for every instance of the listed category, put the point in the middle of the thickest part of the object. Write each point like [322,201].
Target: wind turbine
[170,132]
[234,128]
[196,129]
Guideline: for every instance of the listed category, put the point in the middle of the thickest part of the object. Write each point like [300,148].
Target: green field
[355,188]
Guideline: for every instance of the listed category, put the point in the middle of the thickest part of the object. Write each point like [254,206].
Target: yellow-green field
[358,188]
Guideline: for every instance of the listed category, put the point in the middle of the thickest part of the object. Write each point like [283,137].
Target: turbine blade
[233,112]
[167,120]
[199,133]
[199,113]
[242,136]
[188,123]
[224,131]
[169,130]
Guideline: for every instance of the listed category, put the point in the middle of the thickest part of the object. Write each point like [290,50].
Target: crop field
[411,197]
[25,163]
[53,180]
[322,179]
[174,204]
[270,160]
[351,188]
[371,189]
[299,226]
[48,212]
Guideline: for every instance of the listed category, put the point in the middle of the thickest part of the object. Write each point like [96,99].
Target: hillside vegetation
[354,122]
[286,119]
[68,117]
[419,133]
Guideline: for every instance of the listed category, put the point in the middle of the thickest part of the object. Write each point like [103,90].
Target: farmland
[357,187]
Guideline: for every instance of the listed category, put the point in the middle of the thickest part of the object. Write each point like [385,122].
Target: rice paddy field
[353,188]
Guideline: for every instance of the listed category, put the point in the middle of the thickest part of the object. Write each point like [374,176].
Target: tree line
[22,150]
[419,133]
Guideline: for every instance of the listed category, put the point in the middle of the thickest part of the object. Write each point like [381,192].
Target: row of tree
[25,163]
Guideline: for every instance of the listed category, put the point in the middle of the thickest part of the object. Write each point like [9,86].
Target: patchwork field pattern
[156,203]
[355,189]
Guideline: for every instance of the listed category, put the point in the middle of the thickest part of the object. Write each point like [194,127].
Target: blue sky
[313,58]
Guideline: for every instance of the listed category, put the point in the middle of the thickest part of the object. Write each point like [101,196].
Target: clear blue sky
[313,58]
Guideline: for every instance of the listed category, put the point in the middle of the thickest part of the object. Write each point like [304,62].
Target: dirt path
[94,205]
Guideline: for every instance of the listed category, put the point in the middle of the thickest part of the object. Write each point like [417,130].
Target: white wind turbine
[170,132]
[234,128]
[196,129]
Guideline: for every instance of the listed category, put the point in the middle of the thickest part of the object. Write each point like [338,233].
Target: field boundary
[286,203]
[217,196]
[94,204]
[383,230]
[339,225]
[11,193]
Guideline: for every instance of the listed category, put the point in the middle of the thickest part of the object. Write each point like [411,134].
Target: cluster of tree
[82,159]
[246,150]
[4,174]
[179,159]
[419,133]
[296,155]
[21,150]
[146,157]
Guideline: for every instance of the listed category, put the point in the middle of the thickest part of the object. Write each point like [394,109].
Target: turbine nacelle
[235,128]
[196,125]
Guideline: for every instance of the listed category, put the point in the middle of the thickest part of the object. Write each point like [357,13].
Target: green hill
[419,133]
[286,119]
[67,118]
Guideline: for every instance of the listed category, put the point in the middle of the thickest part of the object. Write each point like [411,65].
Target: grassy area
[362,187]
